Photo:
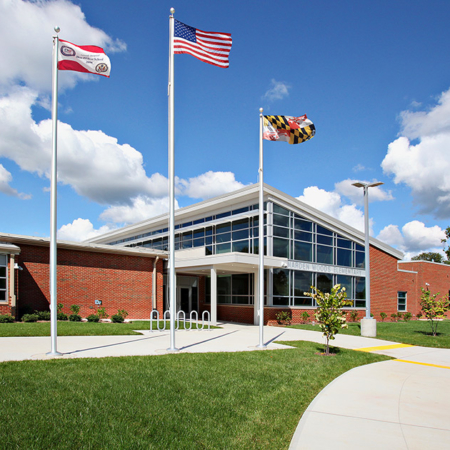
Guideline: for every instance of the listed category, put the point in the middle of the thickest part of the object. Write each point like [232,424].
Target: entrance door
[185,300]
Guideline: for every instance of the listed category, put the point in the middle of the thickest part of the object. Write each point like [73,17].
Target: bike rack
[179,319]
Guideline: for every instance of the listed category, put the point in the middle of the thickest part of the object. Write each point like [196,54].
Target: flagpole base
[51,354]
[172,350]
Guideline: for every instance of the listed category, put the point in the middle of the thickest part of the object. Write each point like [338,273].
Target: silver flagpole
[172,276]
[54,181]
[261,233]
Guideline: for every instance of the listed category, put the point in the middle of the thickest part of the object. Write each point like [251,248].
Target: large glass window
[324,282]
[281,287]
[232,289]
[360,292]
[302,283]
[401,301]
[3,278]
[281,247]
[324,254]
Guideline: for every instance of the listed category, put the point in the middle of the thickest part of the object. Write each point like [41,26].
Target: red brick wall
[436,275]
[119,281]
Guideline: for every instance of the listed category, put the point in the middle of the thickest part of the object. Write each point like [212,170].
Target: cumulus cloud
[331,203]
[93,163]
[413,238]
[5,188]
[81,229]
[424,166]
[277,91]
[209,184]
[356,195]
[28,27]
[142,208]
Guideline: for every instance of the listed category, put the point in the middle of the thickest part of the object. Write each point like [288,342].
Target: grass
[18,329]
[414,332]
[247,400]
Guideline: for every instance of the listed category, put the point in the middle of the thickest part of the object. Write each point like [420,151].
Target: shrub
[383,316]
[101,312]
[399,316]
[305,316]
[93,318]
[283,317]
[419,315]
[394,317]
[59,307]
[116,318]
[75,309]
[354,316]
[30,318]
[407,316]
[43,315]
[75,318]
[6,318]
[61,316]
[122,313]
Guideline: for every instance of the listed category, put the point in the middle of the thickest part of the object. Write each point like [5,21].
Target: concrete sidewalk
[399,404]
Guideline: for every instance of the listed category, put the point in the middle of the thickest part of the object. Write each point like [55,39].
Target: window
[401,301]
[3,266]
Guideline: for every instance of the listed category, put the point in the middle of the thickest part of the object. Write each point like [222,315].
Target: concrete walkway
[398,404]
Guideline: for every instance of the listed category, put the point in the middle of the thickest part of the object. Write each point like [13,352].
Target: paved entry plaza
[397,404]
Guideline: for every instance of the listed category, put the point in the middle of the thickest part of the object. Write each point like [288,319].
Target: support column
[12,284]
[213,296]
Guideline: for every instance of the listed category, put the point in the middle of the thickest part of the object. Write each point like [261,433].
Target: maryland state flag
[288,129]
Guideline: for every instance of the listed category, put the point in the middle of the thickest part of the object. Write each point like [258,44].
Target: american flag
[207,46]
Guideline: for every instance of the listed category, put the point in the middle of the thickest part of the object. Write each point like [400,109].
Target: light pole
[368,324]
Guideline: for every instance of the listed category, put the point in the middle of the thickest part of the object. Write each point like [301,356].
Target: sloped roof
[231,200]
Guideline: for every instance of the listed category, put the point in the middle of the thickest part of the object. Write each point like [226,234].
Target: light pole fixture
[369,331]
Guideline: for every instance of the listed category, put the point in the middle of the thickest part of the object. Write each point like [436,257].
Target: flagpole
[261,233]
[54,182]
[172,276]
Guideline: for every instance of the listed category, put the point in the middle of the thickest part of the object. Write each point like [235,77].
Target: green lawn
[414,332]
[247,400]
[77,328]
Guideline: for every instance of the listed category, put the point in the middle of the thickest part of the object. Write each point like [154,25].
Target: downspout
[154,284]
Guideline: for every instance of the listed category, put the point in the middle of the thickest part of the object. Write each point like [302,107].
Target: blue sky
[372,76]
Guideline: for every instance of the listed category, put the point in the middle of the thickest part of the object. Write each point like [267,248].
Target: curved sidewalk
[400,404]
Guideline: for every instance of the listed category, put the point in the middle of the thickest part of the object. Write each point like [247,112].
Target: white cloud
[5,179]
[142,208]
[28,26]
[81,229]
[414,238]
[331,204]
[425,166]
[93,163]
[209,184]
[358,168]
[356,195]
[277,91]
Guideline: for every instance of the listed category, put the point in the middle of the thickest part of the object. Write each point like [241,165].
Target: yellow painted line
[383,347]
[422,364]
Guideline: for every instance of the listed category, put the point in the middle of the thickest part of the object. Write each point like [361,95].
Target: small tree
[433,309]
[329,312]
[383,316]
[305,316]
